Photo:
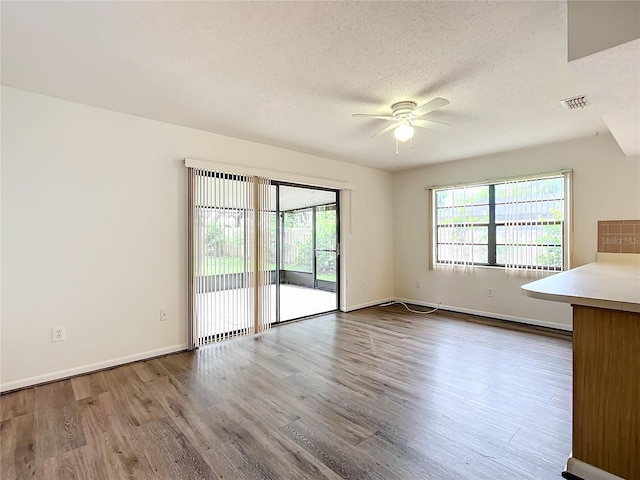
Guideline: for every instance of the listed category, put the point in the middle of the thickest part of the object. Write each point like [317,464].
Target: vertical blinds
[230,250]
[458,250]
[536,216]
[522,224]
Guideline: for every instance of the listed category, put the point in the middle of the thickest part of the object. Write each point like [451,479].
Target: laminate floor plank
[267,442]
[253,416]
[267,446]
[406,462]
[111,439]
[78,464]
[18,403]
[449,415]
[231,461]
[131,397]
[351,428]
[149,370]
[358,416]
[85,386]
[17,449]
[174,398]
[379,393]
[8,440]
[345,460]
[203,376]
[220,425]
[280,404]
[58,428]
[263,354]
[462,458]
[170,452]
[295,462]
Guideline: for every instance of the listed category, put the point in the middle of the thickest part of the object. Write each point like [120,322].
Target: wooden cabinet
[606,365]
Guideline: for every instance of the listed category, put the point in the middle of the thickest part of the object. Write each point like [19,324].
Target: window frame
[492,225]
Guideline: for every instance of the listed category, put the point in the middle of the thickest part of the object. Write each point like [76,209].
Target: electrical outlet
[490,292]
[58,334]
[417,284]
[364,285]
[164,315]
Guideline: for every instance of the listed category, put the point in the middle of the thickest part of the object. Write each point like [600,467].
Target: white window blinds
[231,225]
[520,224]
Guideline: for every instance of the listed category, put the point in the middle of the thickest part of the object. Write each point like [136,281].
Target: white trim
[489,181]
[71,372]
[499,316]
[272,174]
[587,471]
[568,252]
[373,303]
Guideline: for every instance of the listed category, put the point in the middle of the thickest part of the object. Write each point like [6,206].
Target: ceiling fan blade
[381,117]
[421,122]
[388,128]
[430,106]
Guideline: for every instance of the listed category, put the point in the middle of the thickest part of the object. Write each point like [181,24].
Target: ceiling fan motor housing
[403,109]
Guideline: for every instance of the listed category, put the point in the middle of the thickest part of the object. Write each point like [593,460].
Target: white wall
[94,232]
[585,21]
[606,186]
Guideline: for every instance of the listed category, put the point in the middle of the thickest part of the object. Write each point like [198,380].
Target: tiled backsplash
[619,236]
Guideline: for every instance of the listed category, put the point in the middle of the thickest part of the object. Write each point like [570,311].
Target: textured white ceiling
[291,74]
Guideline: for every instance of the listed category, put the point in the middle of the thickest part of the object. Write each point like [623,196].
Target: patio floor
[224,311]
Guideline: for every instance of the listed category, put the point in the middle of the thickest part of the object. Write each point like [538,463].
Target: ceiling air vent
[574,102]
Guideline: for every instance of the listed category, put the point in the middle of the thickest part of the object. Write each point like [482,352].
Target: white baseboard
[351,308]
[71,372]
[499,316]
[588,472]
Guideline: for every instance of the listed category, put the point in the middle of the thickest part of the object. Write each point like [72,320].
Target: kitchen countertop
[612,282]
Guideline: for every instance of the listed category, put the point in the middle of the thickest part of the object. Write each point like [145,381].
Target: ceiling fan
[405,116]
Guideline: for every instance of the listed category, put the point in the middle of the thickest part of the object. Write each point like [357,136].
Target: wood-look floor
[375,394]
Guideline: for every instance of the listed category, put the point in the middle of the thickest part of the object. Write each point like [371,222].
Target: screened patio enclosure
[298,230]
[307,251]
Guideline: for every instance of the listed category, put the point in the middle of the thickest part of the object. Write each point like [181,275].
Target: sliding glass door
[260,252]
[326,247]
[308,260]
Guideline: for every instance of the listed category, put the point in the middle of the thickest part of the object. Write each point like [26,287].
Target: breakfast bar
[605,296]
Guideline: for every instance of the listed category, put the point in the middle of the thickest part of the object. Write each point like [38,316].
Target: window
[516,224]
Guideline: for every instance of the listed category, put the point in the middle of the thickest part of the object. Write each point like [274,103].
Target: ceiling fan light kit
[403,132]
[405,116]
